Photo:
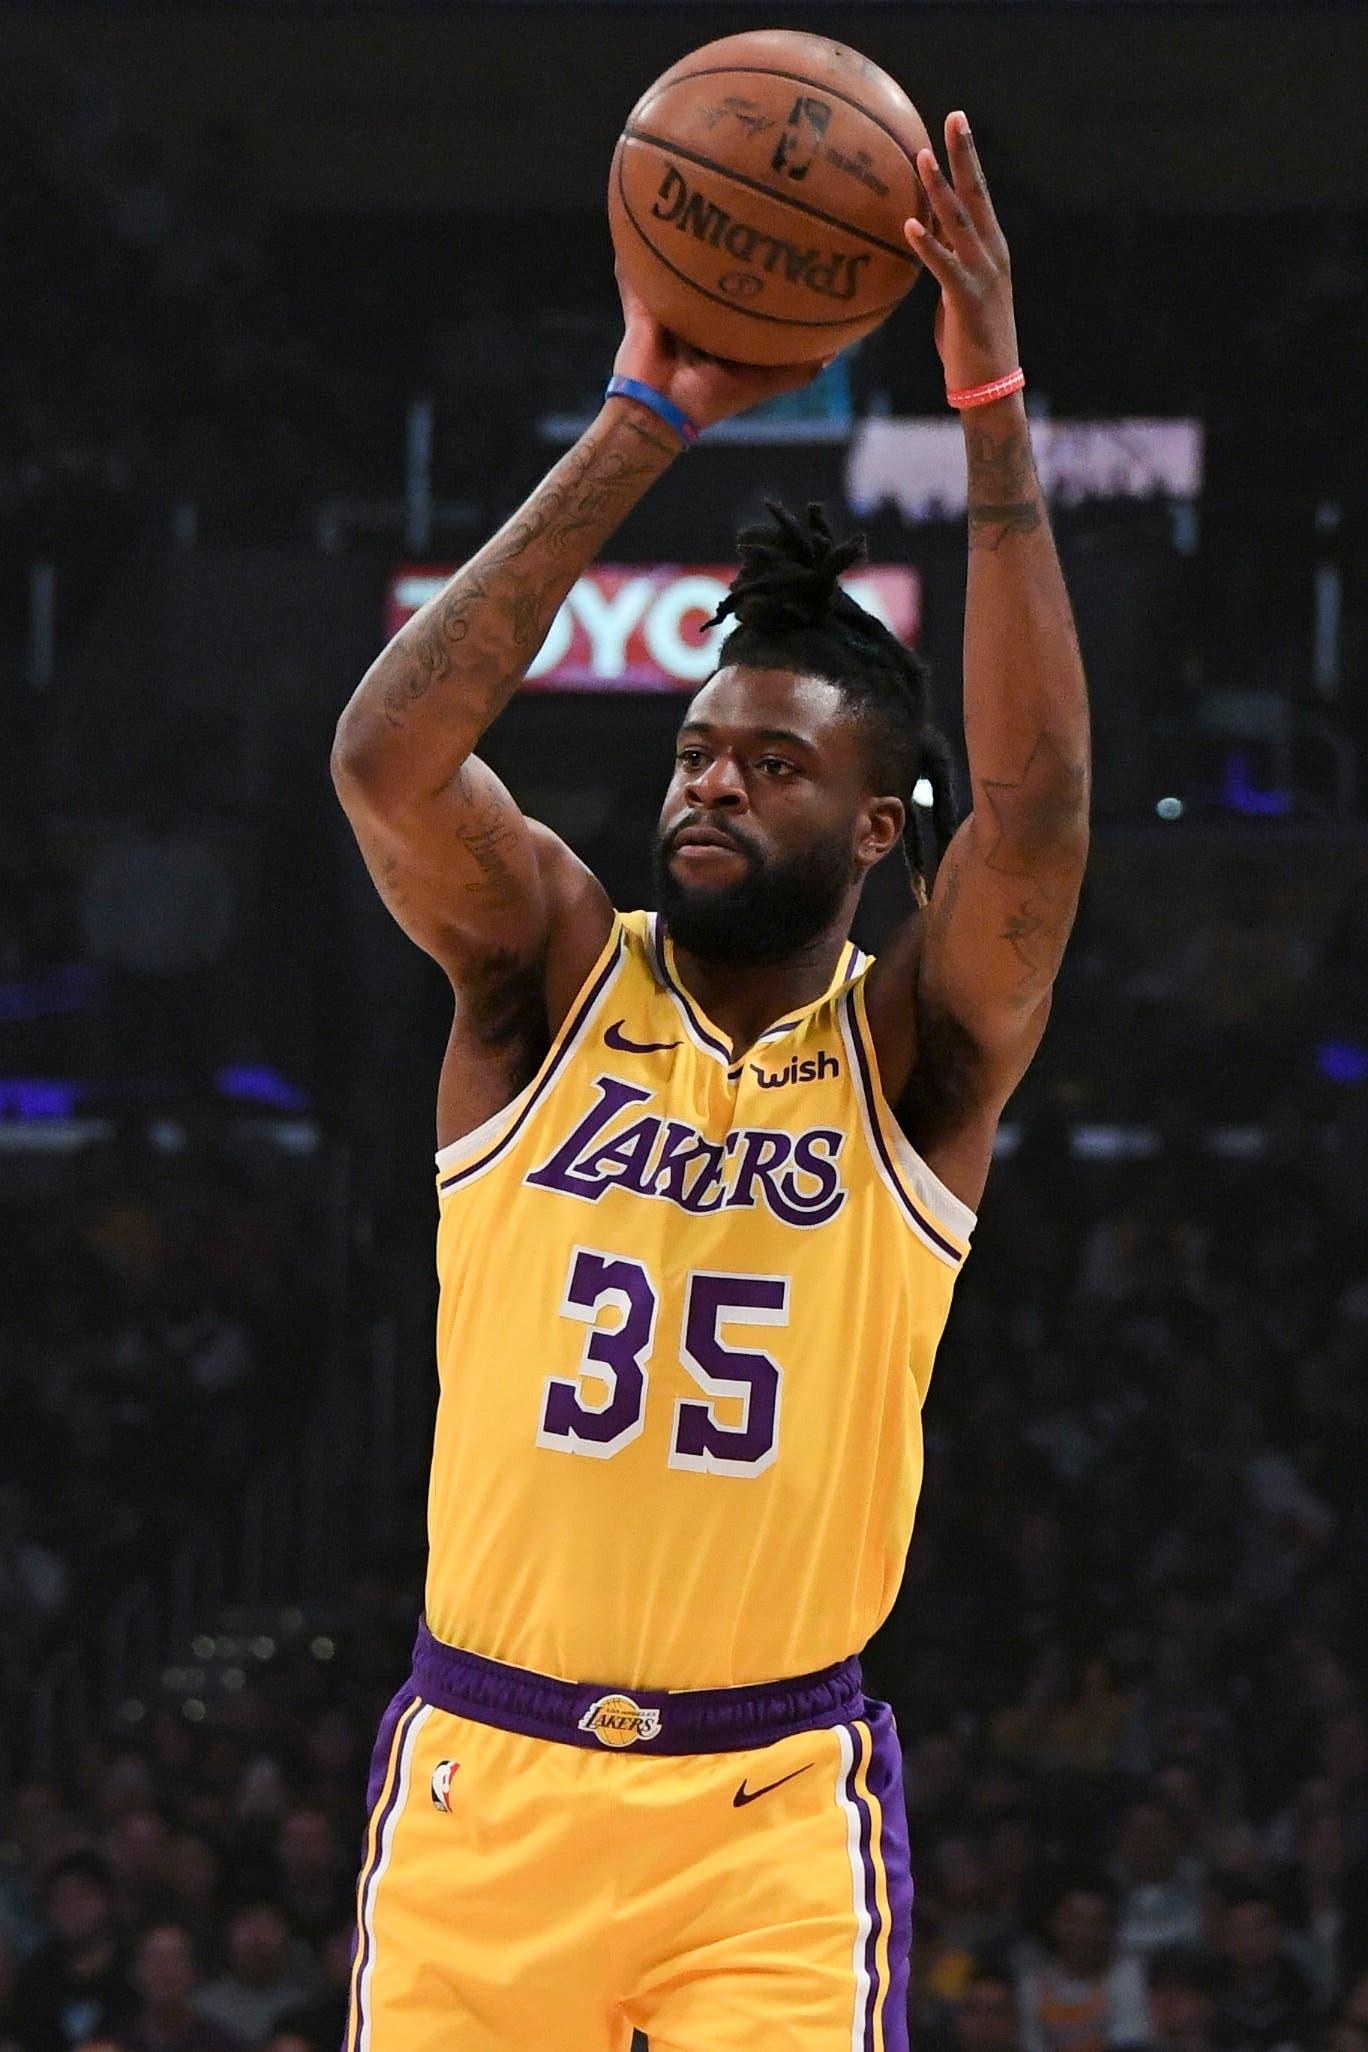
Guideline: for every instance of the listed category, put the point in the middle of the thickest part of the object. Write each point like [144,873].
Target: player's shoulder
[560,870]
[580,919]
[570,890]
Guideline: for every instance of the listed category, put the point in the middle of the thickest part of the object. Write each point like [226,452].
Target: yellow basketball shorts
[546,1867]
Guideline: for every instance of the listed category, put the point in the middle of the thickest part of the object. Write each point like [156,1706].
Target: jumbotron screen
[640,626]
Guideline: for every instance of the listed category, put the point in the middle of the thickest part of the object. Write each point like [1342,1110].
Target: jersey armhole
[940,1218]
[462,1160]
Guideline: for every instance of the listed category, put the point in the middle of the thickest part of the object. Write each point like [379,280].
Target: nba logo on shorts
[618,1721]
[441,1782]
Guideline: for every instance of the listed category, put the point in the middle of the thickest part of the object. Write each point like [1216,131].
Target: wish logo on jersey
[815,1070]
[616,1146]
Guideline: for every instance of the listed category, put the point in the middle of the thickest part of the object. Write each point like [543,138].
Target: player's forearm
[422,706]
[1025,698]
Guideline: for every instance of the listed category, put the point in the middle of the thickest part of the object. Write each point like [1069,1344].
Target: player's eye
[774,765]
[690,758]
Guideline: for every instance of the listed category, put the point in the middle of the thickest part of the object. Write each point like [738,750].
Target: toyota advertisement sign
[640,626]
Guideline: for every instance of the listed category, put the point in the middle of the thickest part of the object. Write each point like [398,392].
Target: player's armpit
[474,882]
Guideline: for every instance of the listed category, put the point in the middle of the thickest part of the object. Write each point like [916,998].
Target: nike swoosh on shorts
[746,1795]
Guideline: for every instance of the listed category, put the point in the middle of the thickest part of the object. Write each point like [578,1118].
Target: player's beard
[773,911]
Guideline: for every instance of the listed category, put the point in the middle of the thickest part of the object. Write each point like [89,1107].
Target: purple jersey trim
[851,963]
[871,1891]
[543,1082]
[851,960]
[689,1720]
[883,1779]
[870,1090]
[693,1019]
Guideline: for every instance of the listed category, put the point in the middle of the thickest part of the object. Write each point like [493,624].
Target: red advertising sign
[639,626]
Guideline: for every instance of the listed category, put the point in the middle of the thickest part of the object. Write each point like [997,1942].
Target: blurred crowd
[117,955]
[1127,1665]
[192,1892]
[160,355]
[1129,1660]
[188,354]
[1247,995]
[155,1327]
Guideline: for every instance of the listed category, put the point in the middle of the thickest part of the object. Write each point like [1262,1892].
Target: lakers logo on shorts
[441,1782]
[618,1721]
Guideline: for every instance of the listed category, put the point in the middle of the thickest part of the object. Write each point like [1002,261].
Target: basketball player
[705,1179]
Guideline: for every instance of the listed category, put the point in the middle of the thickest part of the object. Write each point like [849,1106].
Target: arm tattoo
[1023,813]
[993,956]
[1035,931]
[1050,792]
[1004,494]
[481,632]
[1034,927]
[486,835]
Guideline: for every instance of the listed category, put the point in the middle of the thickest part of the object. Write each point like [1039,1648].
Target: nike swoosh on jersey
[746,1795]
[614,1037]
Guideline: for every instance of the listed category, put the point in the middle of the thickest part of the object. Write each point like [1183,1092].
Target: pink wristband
[984,395]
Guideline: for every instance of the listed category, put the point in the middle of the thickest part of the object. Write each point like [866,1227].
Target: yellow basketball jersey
[689,1308]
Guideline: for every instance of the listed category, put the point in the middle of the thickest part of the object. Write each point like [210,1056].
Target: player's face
[767,826]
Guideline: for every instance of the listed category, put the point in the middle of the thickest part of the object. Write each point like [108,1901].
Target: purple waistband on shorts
[598,1714]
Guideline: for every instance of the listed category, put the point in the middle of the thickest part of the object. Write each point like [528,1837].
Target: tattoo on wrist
[989,526]
[1004,494]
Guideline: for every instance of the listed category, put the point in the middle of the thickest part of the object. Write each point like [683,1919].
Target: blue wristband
[663,408]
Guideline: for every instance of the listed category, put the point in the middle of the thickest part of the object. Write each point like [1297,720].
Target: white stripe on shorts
[845,1796]
[363,2001]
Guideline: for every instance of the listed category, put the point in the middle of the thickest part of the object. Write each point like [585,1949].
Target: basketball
[758,192]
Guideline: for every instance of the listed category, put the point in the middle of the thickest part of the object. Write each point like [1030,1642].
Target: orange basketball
[758,193]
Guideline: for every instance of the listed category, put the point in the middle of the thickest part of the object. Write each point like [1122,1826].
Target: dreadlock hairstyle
[791,614]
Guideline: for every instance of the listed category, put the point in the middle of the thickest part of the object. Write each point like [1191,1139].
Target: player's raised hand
[966,252]
[707,388]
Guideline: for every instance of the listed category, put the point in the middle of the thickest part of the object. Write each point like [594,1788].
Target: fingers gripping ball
[758,193]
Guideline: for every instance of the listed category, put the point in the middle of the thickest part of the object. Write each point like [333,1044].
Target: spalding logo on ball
[758,192]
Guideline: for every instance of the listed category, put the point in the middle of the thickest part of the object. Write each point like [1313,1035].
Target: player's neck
[744,1002]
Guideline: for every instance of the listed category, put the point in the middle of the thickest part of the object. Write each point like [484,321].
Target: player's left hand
[966,252]
[706,388]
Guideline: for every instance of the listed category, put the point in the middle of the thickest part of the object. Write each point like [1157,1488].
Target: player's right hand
[706,388]
[966,252]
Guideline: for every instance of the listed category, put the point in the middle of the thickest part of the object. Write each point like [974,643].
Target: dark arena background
[299,301]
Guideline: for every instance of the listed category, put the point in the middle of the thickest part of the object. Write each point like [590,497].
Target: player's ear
[881,825]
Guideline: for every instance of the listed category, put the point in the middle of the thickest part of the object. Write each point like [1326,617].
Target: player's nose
[719,783]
